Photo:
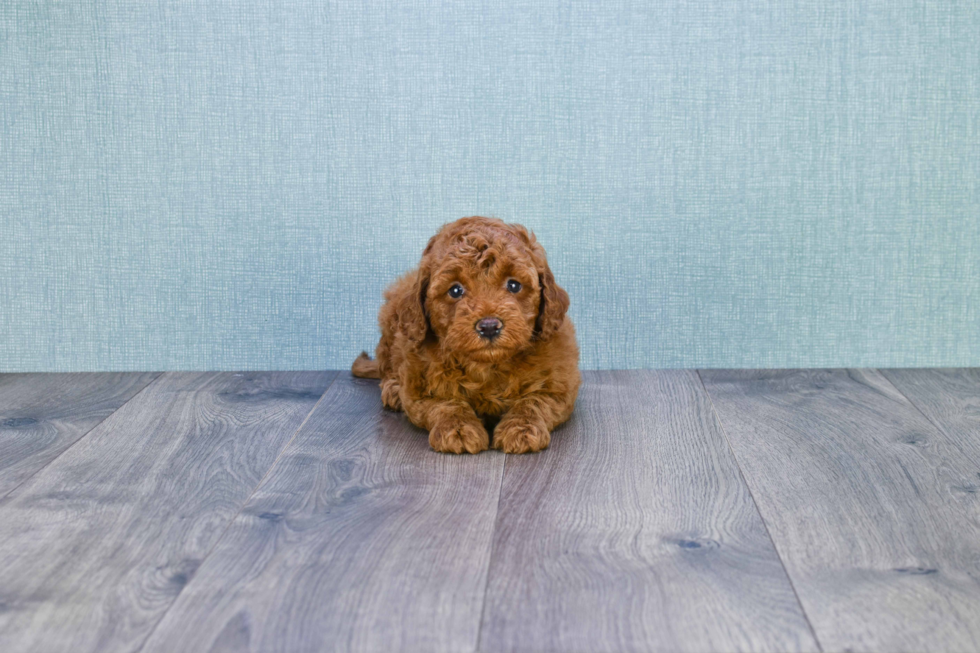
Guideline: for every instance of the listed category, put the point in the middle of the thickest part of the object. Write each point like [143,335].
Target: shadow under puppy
[478,331]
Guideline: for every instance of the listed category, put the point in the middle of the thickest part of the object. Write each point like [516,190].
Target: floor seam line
[939,427]
[241,509]
[908,399]
[758,510]
[84,435]
[493,539]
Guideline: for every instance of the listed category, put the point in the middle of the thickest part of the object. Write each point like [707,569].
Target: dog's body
[478,331]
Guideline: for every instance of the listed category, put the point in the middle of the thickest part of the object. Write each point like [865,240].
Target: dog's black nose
[489,327]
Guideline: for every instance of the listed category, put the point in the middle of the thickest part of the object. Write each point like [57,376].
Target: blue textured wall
[740,183]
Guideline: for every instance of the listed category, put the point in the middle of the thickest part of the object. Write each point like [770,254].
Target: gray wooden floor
[792,510]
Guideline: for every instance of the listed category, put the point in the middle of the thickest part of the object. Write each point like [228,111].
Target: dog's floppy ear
[554,301]
[412,315]
[414,321]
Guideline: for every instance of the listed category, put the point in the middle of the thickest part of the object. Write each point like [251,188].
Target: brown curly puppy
[478,332]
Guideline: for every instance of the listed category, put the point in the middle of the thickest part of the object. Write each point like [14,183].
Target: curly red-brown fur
[435,366]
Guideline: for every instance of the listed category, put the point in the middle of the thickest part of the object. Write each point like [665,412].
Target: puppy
[478,332]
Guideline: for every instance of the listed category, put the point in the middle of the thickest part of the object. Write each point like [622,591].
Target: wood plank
[860,495]
[635,532]
[950,399]
[362,538]
[41,415]
[97,545]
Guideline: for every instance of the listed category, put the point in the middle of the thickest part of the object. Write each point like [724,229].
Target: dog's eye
[456,291]
[513,285]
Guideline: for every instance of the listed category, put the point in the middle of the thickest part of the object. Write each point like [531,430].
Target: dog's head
[485,291]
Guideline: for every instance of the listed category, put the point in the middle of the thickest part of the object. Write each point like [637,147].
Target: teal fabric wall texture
[218,185]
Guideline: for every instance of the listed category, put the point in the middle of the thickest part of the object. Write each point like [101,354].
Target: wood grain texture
[41,415]
[864,499]
[635,532]
[361,539]
[950,399]
[97,545]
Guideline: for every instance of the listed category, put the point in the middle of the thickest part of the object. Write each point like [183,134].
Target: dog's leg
[526,427]
[453,425]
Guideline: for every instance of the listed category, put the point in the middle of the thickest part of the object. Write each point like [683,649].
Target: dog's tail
[365,368]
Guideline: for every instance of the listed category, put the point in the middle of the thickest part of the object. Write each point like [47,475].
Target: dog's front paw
[390,398]
[519,436]
[459,436]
